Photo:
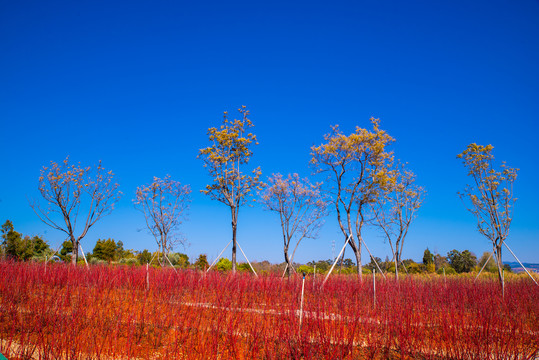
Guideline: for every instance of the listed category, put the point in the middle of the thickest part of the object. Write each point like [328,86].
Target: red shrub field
[67,312]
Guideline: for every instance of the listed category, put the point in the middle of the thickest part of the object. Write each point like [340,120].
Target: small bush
[223,265]
[448,270]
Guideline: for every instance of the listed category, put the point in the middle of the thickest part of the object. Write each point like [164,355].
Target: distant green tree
[470,260]
[348,263]
[440,262]
[462,262]
[128,254]
[413,267]
[305,269]
[490,264]
[106,250]
[321,265]
[179,259]
[33,247]
[12,240]
[372,265]
[428,257]
[144,257]
[40,246]
[65,252]
[202,262]
[120,251]
[428,261]
[16,247]
[244,267]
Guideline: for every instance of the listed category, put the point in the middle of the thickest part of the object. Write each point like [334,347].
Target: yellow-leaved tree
[231,147]
[396,208]
[489,197]
[357,167]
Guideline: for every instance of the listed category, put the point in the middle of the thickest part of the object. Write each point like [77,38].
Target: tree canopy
[64,187]
[489,197]
[357,168]
[231,146]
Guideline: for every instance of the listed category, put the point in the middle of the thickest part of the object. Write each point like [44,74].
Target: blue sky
[137,84]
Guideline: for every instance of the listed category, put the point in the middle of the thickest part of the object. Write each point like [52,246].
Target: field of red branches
[65,312]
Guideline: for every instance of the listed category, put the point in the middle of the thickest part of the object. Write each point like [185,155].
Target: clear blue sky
[137,84]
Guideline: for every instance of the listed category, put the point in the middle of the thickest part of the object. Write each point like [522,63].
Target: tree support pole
[286,267]
[507,246]
[404,266]
[84,256]
[153,257]
[484,265]
[170,262]
[218,256]
[373,259]
[54,253]
[336,260]
[248,262]
[301,304]
[284,272]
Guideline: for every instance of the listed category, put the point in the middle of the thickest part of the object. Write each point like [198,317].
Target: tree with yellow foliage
[490,197]
[396,208]
[65,187]
[358,167]
[231,146]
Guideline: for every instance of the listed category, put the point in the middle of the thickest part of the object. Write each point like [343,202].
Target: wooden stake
[503,283]
[374,287]
[147,277]
[445,281]
[301,304]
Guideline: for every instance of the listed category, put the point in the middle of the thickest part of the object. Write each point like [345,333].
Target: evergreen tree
[428,257]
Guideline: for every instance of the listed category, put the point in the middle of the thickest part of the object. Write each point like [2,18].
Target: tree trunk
[234,227]
[396,268]
[287,260]
[498,254]
[74,251]
[234,213]
[357,252]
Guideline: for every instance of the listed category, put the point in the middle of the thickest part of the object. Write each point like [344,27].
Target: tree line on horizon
[15,246]
[364,185]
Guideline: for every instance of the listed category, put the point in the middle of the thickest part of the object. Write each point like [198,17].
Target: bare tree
[357,166]
[230,148]
[65,187]
[164,203]
[490,197]
[397,208]
[300,206]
